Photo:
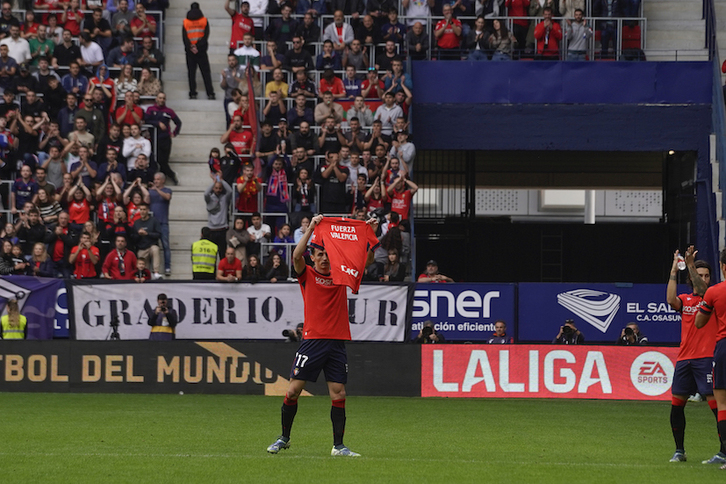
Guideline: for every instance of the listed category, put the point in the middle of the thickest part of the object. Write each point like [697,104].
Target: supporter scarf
[277,185]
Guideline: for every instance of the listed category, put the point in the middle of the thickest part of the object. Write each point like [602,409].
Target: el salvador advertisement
[600,311]
[463,312]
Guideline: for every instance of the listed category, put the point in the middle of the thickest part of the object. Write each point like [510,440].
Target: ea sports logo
[652,373]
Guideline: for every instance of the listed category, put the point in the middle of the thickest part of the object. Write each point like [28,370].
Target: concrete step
[685,39]
[198,105]
[186,230]
[666,55]
[181,262]
[677,25]
[193,176]
[203,122]
[193,148]
[190,143]
[188,206]
[179,87]
[669,10]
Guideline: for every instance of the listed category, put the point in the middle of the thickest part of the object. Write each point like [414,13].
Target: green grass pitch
[222,438]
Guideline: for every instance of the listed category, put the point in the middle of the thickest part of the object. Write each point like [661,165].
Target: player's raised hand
[316,220]
[690,255]
[674,267]
[373,222]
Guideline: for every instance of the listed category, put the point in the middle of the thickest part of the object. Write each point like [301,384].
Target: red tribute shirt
[695,343]
[326,306]
[347,243]
[714,303]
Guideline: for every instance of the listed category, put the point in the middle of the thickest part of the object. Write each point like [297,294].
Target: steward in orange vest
[195,34]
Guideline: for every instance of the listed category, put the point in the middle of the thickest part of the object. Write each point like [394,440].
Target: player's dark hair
[701,264]
[723,257]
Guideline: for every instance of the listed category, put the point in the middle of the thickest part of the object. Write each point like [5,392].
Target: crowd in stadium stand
[333,136]
[334,133]
[85,135]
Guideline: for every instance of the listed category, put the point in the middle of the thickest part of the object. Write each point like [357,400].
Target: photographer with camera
[293,336]
[163,320]
[569,335]
[428,335]
[631,335]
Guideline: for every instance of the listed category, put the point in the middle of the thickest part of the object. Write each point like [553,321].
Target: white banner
[229,311]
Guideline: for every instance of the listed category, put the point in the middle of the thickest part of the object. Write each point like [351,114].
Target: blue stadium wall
[585,106]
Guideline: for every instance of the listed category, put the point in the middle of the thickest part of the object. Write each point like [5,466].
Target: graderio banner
[229,311]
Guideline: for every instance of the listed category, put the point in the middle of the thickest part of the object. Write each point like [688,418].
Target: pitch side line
[262,454]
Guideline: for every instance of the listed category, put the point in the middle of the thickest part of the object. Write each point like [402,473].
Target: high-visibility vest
[204,256]
[195,29]
[13,333]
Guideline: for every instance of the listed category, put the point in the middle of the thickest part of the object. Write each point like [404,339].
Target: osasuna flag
[347,243]
[254,120]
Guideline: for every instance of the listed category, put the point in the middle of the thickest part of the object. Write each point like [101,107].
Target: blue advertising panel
[60,325]
[600,311]
[463,312]
[36,298]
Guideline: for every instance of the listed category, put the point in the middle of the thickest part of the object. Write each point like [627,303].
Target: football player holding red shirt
[325,330]
[695,358]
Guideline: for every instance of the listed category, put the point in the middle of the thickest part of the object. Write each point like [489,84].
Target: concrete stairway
[676,30]
[203,123]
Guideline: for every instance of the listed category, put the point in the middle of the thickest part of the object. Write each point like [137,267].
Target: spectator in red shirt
[129,113]
[520,26]
[79,205]
[120,263]
[401,193]
[248,186]
[432,274]
[84,258]
[448,35]
[229,268]
[241,23]
[241,139]
[142,25]
[329,82]
[372,87]
[548,35]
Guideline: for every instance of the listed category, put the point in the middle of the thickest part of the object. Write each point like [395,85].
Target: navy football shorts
[327,355]
[693,376]
[719,365]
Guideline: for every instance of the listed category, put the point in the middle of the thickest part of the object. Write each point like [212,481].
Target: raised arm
[297,256]
[672,288]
